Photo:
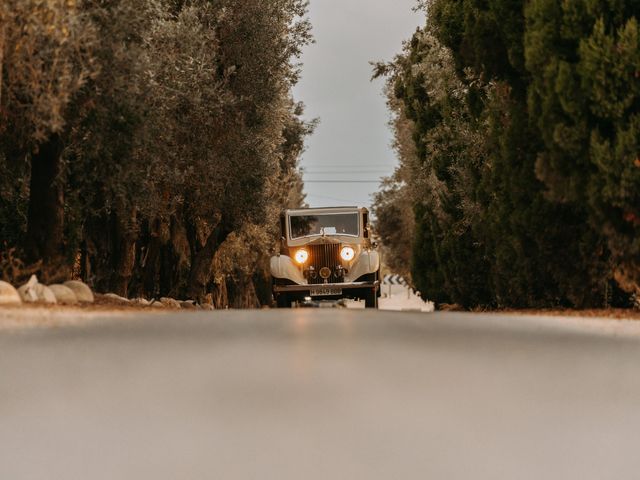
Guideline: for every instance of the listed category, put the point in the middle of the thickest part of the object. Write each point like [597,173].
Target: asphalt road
[320,394]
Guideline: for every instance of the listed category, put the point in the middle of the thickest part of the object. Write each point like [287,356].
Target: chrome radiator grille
[327,255]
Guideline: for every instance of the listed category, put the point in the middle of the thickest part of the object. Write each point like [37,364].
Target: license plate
[321,291]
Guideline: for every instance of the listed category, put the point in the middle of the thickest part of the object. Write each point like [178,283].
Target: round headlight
[347,253]
[301,256]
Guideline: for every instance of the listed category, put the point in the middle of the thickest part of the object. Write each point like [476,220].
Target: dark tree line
[517,125]
[147,146]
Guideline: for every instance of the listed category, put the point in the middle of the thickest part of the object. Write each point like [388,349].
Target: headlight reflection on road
[302,358]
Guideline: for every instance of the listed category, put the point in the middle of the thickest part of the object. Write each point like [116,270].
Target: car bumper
[307,288]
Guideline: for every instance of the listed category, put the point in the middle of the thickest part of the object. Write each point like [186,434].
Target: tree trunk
[175,261]
[3,30]
[143,238]
[95,246]
[152,260]
[97,251]
[262,287]
[45,223]
[242,293]
[124,252]
[220,294]
[200,273]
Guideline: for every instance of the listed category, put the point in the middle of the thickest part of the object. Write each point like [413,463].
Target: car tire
[283,301]
[371,299]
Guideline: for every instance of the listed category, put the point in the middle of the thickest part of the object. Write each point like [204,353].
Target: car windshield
[327,224]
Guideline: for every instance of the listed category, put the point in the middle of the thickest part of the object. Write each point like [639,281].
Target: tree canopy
[524,174]
[143,143]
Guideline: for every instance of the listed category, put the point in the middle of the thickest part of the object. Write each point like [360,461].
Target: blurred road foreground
[321,394]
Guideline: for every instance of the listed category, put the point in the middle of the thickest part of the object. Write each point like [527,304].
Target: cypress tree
[584,62]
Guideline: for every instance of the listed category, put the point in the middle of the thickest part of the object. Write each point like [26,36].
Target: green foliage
[524,179]
[439,177]
[47,55]
[485,35]
[584,60]
[179,132]
[13,204]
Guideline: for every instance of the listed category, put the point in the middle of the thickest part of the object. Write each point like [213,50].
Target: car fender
[283,266]
[367,262]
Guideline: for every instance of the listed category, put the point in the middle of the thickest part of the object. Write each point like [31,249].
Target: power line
[326,197]
[330,172]
[350,170]
[342,181]
[346,169]
[343,165]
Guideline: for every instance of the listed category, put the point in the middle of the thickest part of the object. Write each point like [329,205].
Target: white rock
[28,291]
[170,302]
[141,301]
[81,289]
[27,295]
[157,304]
[32,291]
[45,294]
[8,294]
[64,294]
[118,298]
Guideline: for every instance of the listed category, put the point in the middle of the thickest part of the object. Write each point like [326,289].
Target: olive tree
[47,61]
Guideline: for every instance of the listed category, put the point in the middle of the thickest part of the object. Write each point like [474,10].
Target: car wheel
[371,299]
[283,301]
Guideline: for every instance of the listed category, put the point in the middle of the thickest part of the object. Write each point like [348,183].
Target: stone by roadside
[78,295]
[64,295]
[81,290]
[9,295]
[102,304]
[111,301]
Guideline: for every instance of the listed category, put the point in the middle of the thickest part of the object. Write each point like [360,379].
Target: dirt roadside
[42,315]
[611,313]
[35,315]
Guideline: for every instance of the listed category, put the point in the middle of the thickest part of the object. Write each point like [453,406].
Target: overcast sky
[352,142]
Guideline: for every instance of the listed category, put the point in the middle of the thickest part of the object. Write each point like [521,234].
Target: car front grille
[327,255]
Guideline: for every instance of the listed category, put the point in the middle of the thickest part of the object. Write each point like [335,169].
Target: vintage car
[326,253]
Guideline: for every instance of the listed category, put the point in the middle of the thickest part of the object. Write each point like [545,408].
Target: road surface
[321,394]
